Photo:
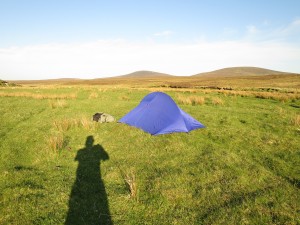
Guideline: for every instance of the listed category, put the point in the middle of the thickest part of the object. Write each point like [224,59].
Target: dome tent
[157,114]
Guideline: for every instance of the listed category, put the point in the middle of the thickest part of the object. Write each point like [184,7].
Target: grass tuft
[296,120]
[58,104]
[63,125]
[191,100]
[86,123]
[66,124]
[217,101]
[56,143]
[130,182]
[93,95]
[125,98]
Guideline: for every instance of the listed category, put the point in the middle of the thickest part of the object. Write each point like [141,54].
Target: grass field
[59,167]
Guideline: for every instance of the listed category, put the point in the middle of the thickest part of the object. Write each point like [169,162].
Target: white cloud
[272,49]
[116,57]
[285,33]
[292,29]
[266,23]
[164,33]
[227,31]
[295,23]
[252,30]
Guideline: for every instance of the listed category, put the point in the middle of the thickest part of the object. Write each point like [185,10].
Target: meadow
[57,166]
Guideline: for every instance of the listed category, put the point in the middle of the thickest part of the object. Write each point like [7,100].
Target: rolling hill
[144,74]
[239,72]
[234,76]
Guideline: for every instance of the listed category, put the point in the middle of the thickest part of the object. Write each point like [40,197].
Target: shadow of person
[88,202]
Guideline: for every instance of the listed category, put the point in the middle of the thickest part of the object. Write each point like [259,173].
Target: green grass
[243,168]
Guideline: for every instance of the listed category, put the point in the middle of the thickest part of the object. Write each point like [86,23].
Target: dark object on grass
[103,117]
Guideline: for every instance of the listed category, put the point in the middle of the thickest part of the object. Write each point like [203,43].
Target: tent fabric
[157,114]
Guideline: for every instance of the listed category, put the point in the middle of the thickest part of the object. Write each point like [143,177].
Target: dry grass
[124,98]
[217,101]
[273,95]
[290,94]
[296,120]
[282,112]
[66,124]
[279,96]
[56,143]
[103,90]
[38,96]
[191,100]
[86,123]
[130,182]
[93,95]
[58,104]
[63,125]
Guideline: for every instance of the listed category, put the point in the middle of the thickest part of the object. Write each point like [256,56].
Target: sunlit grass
[58,104]
[241,169]
[37,95]
[264,95]
[56,143]
[296,120]
[93,95]
[191,100]
[217,101]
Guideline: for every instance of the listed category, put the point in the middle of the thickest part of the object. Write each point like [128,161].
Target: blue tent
[157,114]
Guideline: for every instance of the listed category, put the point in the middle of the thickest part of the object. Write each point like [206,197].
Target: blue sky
[89,39]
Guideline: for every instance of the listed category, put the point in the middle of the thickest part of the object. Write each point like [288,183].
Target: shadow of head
[89,141]
[95,151]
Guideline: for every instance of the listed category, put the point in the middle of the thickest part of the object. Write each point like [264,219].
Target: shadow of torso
[88,202]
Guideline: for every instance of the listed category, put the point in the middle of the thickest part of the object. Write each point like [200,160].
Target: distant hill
[49,81]
[239,72]
[226,73]
[144,74]
[4,83]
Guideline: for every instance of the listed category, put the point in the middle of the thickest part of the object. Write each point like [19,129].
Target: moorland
[57,166]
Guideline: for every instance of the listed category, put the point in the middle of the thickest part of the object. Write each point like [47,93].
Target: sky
[93,39]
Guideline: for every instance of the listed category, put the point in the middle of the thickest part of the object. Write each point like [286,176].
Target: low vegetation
[56,143]
[217,101]
[57,166]
[191,100]
[58,104]
[296,120]
[37,95]
[281,96]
